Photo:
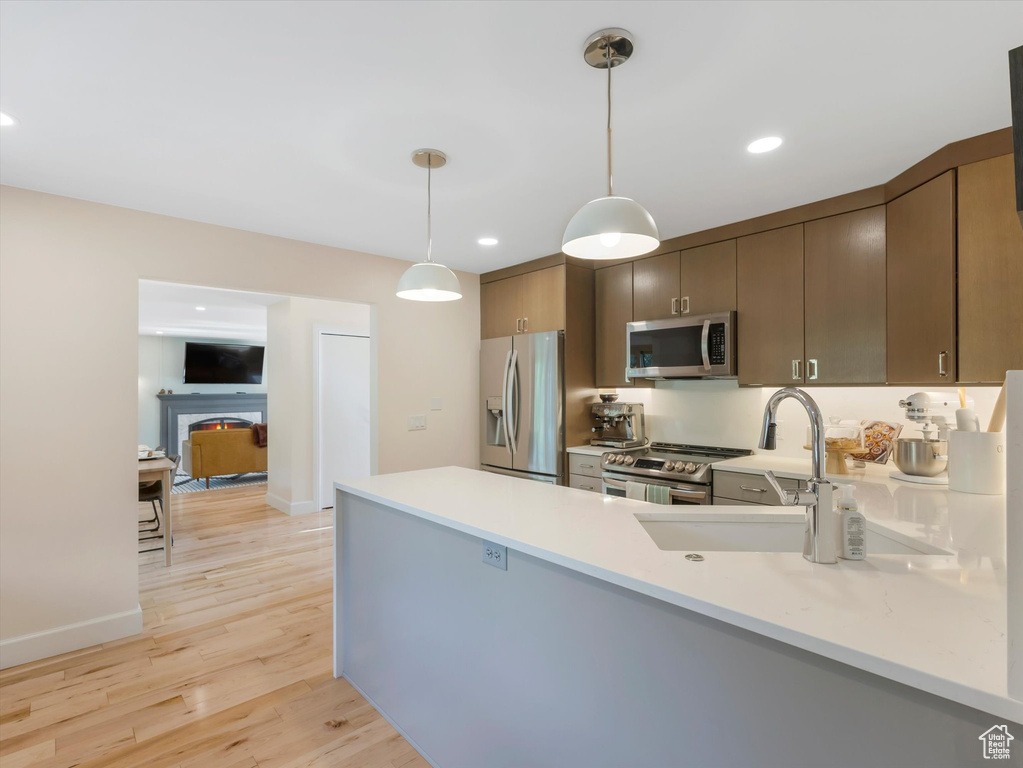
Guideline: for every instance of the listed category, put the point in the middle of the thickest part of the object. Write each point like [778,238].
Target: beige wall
[291,394]
[69,274]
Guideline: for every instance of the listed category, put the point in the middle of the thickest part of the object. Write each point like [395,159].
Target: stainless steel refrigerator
[522,427]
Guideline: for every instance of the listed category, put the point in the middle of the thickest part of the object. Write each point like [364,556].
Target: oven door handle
[683,493]
[705,345]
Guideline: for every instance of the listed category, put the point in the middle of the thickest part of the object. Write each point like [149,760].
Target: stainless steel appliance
[522,432]
[697,346]
[685,469]
[934,412]
[618,425]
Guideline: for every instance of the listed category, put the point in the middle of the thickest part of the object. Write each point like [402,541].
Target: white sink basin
[774,531]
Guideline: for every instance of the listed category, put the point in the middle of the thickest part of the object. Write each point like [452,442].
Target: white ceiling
[169,309]
[297,118]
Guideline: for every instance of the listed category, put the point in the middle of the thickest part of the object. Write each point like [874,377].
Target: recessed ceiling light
[487,241]
[159,333]
[765,144]
[6,120]
[200,309]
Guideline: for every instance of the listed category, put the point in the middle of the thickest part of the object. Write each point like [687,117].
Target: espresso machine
[618,425]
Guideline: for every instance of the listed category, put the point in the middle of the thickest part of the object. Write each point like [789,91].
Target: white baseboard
[290,507]
[70,637]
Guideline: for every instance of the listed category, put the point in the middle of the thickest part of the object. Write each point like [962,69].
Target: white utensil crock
[976,462]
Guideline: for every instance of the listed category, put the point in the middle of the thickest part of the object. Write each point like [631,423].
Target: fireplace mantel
[172,406]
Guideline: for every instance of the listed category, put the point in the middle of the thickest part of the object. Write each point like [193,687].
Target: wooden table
[161,469]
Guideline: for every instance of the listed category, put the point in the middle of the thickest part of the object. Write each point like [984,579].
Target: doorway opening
[249,389]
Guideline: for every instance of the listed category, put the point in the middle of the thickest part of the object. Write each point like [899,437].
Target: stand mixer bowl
[917,456]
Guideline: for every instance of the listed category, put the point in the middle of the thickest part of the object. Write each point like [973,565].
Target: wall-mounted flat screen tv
[223,364]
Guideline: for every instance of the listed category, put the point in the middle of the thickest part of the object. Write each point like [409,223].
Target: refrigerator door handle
[510,412]
[504,403]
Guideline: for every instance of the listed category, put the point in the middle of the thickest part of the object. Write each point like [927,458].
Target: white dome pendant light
[428,280]
[610,227]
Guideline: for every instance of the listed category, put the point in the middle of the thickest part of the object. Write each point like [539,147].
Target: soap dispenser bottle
[852,525]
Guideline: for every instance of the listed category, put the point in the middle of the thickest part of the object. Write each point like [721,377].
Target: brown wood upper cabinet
[655,287]
[614,292]
[769,294]
[922,284]
[530,303]
[708,279]
[845,298]
[990,272]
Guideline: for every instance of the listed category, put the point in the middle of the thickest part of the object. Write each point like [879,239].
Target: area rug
[186,484]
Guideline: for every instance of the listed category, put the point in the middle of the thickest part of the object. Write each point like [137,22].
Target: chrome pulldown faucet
[819,541]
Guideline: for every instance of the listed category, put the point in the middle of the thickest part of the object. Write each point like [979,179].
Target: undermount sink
[753,532]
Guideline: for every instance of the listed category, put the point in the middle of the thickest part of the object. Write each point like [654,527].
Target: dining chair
[153,493]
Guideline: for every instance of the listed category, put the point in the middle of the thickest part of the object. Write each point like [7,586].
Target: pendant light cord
[607,52]
[429,207]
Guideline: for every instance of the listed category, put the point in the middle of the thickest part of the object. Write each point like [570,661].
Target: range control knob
[690,467]
[606,458]
[629,461]
[619,459]
[669,465]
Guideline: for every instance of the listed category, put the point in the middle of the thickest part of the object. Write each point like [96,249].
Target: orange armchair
[222,452]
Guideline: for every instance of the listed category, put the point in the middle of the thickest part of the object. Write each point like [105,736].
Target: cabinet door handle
[674,306]
[586,466]
[518,325]
[811,370]
[754,490]
[525,325]
[943,364]
[685,305]
[795,370]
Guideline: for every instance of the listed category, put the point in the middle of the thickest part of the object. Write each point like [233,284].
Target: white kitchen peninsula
[595,647]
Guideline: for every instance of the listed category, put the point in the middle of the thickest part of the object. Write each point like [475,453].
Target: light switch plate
[495,555]
[417,422]
[435,403]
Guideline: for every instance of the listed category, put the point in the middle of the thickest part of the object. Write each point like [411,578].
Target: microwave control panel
[716,344]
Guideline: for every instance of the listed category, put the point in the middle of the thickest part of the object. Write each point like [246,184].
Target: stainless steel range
[685,469]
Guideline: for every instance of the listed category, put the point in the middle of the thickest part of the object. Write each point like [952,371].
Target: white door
[344,412]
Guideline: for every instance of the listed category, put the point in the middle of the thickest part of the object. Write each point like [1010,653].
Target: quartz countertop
[934,622]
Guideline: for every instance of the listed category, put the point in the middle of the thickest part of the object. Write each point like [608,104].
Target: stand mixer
[925,460]
[933,412]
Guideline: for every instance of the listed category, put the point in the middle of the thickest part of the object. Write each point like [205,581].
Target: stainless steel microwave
[688,347]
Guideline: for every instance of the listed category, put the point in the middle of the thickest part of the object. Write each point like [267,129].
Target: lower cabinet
[584,472]
[744,489]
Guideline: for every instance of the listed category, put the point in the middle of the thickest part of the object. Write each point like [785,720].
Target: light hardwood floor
[232,669]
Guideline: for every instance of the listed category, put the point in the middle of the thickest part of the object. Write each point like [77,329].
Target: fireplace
[187,423]
[178,412]
[221,422]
